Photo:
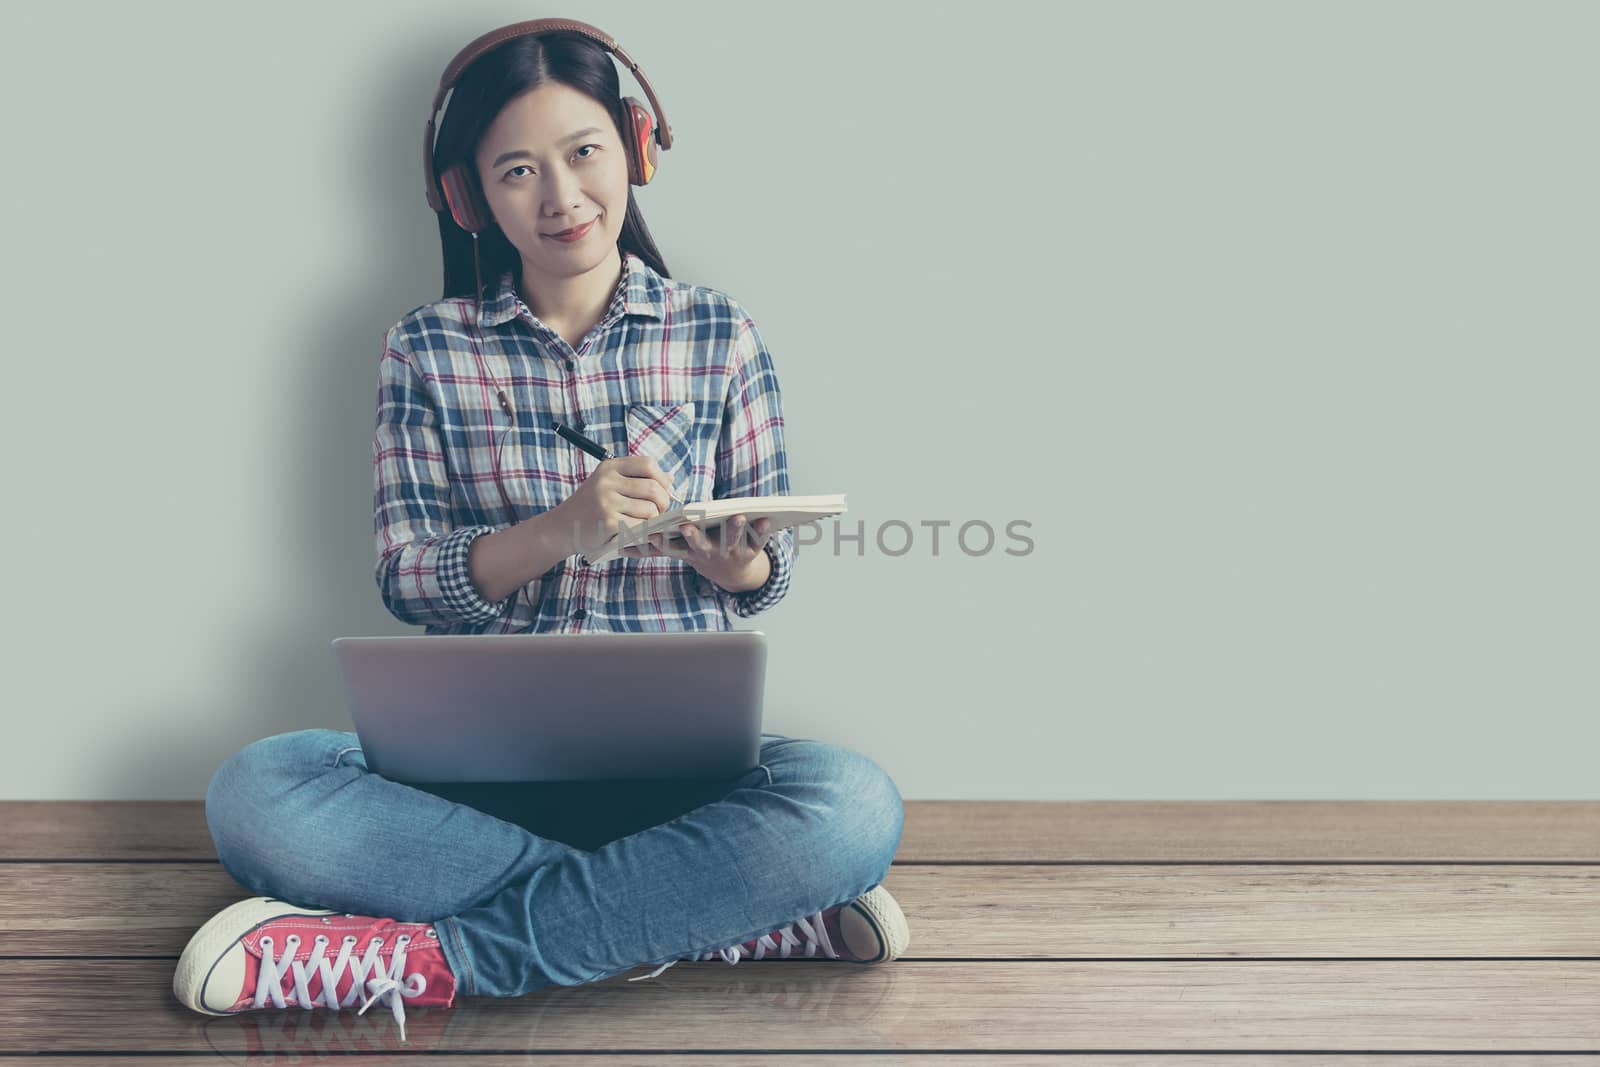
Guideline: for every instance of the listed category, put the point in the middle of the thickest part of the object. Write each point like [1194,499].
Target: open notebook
[784,511]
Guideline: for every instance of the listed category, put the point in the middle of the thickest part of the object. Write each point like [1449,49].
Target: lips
[575,232]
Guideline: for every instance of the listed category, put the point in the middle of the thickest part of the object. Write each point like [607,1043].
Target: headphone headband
[532,27]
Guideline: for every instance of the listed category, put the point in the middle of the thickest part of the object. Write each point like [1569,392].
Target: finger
[660,475]
[680,550]
[651,471]
[634,507]
[703,543]
[661,544]
[736,535]
[638,465]
[650,489]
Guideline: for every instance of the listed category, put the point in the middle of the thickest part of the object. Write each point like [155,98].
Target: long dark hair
[492,81]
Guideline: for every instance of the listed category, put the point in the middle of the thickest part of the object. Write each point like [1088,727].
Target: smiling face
[550,161]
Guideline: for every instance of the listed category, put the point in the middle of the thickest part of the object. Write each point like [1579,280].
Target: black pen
[594,449]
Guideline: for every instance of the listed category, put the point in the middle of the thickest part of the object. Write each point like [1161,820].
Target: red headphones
[642,132]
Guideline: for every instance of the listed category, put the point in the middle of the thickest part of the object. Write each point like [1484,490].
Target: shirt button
[581,613]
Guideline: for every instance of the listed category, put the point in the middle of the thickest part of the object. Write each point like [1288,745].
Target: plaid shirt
[674,370]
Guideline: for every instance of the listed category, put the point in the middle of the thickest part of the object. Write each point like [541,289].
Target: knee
[244,797]
[868,812]
[878,817]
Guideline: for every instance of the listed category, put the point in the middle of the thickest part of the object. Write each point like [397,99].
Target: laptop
[463,708]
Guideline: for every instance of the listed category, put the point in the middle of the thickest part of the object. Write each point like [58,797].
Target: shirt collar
[640,291]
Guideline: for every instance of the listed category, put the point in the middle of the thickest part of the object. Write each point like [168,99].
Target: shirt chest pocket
[668,433]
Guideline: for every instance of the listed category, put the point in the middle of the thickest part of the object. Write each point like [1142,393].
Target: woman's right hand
[623,489]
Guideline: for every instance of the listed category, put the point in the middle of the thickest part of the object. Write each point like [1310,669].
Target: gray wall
[1274,321]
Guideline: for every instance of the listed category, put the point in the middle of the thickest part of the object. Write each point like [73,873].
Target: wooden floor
[1083,932]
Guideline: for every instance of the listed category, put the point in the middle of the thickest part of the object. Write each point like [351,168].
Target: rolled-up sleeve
[422,558]
[751,460]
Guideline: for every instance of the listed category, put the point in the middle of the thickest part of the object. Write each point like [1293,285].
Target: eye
[524,166]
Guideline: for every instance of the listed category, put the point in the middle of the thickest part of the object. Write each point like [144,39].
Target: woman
[373,889]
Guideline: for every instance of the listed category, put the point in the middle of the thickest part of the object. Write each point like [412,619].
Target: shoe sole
[878,908]
[217,938]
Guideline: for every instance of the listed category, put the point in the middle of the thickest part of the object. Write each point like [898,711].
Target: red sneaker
[250,955]
[869,929]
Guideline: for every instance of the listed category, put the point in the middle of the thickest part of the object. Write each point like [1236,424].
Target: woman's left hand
[727,557]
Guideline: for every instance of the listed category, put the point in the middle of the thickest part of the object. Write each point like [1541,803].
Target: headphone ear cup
[639,126]
[462,196]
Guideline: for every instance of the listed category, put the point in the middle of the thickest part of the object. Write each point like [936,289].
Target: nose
[560,196]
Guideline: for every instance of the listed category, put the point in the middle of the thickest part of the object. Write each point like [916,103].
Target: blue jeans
[298,816]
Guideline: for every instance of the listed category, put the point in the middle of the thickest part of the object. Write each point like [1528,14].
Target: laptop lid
[556,707]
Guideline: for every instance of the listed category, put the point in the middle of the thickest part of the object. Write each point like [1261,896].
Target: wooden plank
[91,1006]
[994,831]
[105,830]
[879,1059]
[963,911]
[1252,831]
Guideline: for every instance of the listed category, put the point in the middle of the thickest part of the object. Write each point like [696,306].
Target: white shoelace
[816,937]
[269,982]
